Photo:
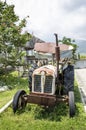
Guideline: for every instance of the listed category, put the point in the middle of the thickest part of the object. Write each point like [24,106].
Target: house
[39,49]
[30,44]
[48,49]
[29,47]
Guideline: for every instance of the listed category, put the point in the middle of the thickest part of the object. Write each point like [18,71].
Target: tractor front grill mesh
[37,83]
[47,85]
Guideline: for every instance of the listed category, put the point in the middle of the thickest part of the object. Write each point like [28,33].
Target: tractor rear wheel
[68,79]
[71,104]
[18,101]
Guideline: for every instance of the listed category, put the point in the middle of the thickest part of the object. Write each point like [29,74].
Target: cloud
[65,17]
[72,5]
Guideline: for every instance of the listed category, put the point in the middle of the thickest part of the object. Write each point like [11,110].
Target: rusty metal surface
[44,99]
[43,79]
[56,36]
[57,59]
[57,49]
[48,69]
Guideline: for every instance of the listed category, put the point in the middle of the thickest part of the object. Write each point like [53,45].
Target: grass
[83,56]
[14,83]
[35,117]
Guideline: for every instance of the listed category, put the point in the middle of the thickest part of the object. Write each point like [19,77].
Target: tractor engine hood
[43,80]
[48,69]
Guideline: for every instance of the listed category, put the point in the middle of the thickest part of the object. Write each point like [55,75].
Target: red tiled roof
[49,47]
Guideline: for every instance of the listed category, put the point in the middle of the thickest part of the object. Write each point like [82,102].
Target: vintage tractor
[49,85]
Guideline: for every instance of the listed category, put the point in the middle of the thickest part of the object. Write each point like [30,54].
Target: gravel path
[80,75]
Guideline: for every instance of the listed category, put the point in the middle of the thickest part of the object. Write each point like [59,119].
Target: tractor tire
[71,104]
[68,79]
[18,101]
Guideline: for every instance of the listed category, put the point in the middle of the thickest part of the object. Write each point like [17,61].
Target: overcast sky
[46,17]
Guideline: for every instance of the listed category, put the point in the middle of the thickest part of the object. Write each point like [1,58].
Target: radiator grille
[48,84]
[37,83]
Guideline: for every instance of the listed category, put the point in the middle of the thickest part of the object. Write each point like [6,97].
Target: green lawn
[82,56]
[14,83]
[37,118]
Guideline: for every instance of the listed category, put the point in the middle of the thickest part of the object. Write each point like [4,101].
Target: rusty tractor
[49,85]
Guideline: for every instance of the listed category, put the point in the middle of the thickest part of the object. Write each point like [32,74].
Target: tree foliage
[69,41]
[12,40]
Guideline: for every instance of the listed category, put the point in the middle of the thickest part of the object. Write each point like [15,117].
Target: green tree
[69,41]
[12,40]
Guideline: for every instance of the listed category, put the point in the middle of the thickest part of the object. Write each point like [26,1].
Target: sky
[46,17]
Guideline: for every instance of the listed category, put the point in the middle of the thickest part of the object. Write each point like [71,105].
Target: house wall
[66,54]
[63,54]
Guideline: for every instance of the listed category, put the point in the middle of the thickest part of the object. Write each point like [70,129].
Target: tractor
[49,85]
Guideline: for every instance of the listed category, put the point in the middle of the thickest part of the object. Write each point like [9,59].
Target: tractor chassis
[44,99]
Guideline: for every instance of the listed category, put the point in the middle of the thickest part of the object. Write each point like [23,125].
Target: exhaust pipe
[57,50]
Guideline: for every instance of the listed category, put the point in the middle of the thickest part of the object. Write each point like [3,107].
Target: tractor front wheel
[19,101]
